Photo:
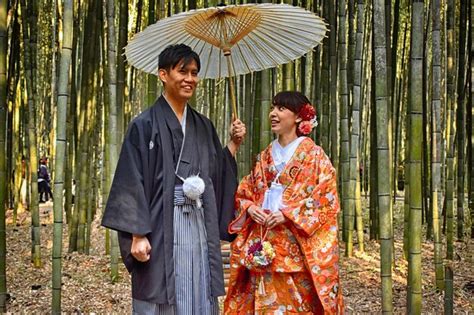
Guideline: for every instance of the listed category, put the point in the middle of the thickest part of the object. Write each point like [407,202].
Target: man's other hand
[141,248]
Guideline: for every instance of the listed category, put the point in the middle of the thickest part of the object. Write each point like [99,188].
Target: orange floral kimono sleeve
[251,190]
[249,194]
[311,204]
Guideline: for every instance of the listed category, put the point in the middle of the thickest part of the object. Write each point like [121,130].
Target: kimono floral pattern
[306,247]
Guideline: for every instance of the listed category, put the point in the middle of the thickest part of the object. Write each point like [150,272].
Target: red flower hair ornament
[308,115]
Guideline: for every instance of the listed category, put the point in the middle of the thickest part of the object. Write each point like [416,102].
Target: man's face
[180,82]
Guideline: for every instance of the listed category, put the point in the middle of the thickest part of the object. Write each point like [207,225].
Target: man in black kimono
[170,238]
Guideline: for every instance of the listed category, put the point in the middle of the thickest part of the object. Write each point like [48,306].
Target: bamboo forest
[392,85]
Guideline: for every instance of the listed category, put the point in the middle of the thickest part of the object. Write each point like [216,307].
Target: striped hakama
[191,265]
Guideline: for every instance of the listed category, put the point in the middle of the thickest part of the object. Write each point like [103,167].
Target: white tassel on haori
[193,188]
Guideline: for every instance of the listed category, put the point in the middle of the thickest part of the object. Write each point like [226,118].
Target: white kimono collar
[281,155]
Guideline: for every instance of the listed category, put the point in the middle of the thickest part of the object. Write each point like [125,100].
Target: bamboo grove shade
[258,37]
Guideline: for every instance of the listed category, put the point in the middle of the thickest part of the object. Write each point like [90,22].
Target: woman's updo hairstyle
[299,104]
[292,100]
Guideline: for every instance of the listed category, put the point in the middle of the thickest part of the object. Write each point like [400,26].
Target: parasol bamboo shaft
[232,85]
[226,50]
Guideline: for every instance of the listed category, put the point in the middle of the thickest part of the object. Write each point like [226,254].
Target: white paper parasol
[244,38]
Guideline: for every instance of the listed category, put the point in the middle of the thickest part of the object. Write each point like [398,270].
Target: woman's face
[283,120]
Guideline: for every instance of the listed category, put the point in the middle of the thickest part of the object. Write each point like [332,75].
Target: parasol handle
[231,79]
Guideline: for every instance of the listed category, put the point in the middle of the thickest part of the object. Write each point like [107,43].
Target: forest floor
[87,287]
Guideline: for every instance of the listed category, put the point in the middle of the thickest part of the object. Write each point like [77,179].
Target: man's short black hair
[173,54]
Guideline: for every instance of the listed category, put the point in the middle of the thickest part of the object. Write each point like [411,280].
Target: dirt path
[87,288]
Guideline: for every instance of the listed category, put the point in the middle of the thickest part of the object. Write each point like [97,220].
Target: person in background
[44,188]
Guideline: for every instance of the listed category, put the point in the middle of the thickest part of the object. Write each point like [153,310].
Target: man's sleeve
[225,190]
[127,206]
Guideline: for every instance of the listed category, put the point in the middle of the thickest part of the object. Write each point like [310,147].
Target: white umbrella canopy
[257,36]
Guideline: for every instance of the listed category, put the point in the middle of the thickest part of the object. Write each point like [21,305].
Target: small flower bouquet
[259,254]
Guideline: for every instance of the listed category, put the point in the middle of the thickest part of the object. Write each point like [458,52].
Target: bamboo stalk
[415,158]
[436,143]
[355,130]
[450,128]
[3,184]
[61,144]
[32,145]
[449,291]
[383,155]
[112,124]
[460,114]
[265,128]
[334,133]
[323,127]
[347,200]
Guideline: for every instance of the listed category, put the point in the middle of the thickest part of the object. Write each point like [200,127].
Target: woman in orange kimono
[285,257]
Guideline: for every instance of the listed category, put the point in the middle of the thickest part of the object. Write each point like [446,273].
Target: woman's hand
[258,215]
[274,219]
